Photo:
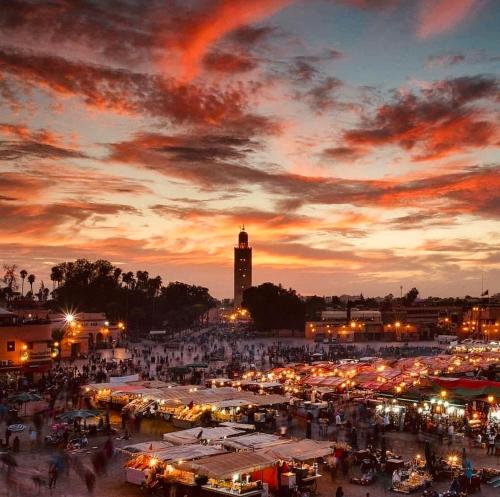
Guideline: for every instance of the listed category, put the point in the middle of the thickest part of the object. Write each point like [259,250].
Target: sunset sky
[357,140]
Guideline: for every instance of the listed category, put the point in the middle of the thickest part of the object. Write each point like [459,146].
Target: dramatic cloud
[221,17]
[304,67]
[439,16]
[147,132]
[41,144]
[122,91]
[17,186]
[343,154]
[445,118]
[229,63]
[25,219]
[321,97]
[449,59]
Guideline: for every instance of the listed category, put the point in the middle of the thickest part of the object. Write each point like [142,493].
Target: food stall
[411,481]
[298,461]
[159,461]
[245,474]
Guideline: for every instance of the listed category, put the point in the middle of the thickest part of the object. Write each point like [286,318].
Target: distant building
[344,316]
[242,267]
[84,332]
[482,322]
[25,343]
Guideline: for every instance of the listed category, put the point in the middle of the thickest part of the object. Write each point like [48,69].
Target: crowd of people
[219,351]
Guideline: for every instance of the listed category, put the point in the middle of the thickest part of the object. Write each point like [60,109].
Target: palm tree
[56,275]
[10,278]
[23,274]
[128,279]
[31,280]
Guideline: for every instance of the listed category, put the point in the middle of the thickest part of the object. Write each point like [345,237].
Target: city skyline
[356,140]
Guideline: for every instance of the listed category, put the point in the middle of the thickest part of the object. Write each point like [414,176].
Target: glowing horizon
[356,140]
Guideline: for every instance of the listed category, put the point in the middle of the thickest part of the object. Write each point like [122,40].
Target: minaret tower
[242,267]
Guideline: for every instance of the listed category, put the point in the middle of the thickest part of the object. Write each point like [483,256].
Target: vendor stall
[144,464]
[242,474]
[406,481]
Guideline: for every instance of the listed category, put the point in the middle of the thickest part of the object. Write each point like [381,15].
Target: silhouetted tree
[273,307]
[31,280]
[410,297]
[23,273]
[142,301]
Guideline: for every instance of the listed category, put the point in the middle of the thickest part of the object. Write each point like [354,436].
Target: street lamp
[69,318]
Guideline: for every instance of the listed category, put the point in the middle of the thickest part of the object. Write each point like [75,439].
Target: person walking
[491,443]
[339,492]
[53,474]
[309,425]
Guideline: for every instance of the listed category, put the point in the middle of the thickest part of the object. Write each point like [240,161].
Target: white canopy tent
[194,435]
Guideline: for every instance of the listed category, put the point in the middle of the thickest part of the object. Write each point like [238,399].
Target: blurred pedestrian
[53,474]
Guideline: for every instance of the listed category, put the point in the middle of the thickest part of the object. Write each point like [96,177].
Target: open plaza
[213,412]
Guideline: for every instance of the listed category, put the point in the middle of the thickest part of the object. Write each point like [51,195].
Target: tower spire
[242,266]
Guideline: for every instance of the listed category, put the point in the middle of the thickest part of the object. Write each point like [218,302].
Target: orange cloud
[440,16]
[226,16]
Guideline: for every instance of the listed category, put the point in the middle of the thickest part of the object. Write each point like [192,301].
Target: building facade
[25,344]
[84,332]
[242,267]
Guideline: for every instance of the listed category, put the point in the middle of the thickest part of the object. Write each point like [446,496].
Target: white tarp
[123,379]
[194,435]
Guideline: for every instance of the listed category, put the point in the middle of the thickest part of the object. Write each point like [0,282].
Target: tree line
[140,300]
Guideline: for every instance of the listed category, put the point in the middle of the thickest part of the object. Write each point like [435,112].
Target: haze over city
[356,140]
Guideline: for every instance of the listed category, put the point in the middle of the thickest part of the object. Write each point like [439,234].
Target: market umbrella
[24,398]
[16,428]
[82,414]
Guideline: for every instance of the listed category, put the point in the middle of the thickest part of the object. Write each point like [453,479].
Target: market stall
[298,461]
[243,474]
[409,480]
[157,462]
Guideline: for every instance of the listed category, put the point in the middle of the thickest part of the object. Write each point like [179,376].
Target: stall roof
[188,453]
[267,400]
[254,441]
[231,403]
[301,450]
[225,466]
[238,426]
[193,435]
[137,390]
[261,384]
[147,447]
[466,387]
